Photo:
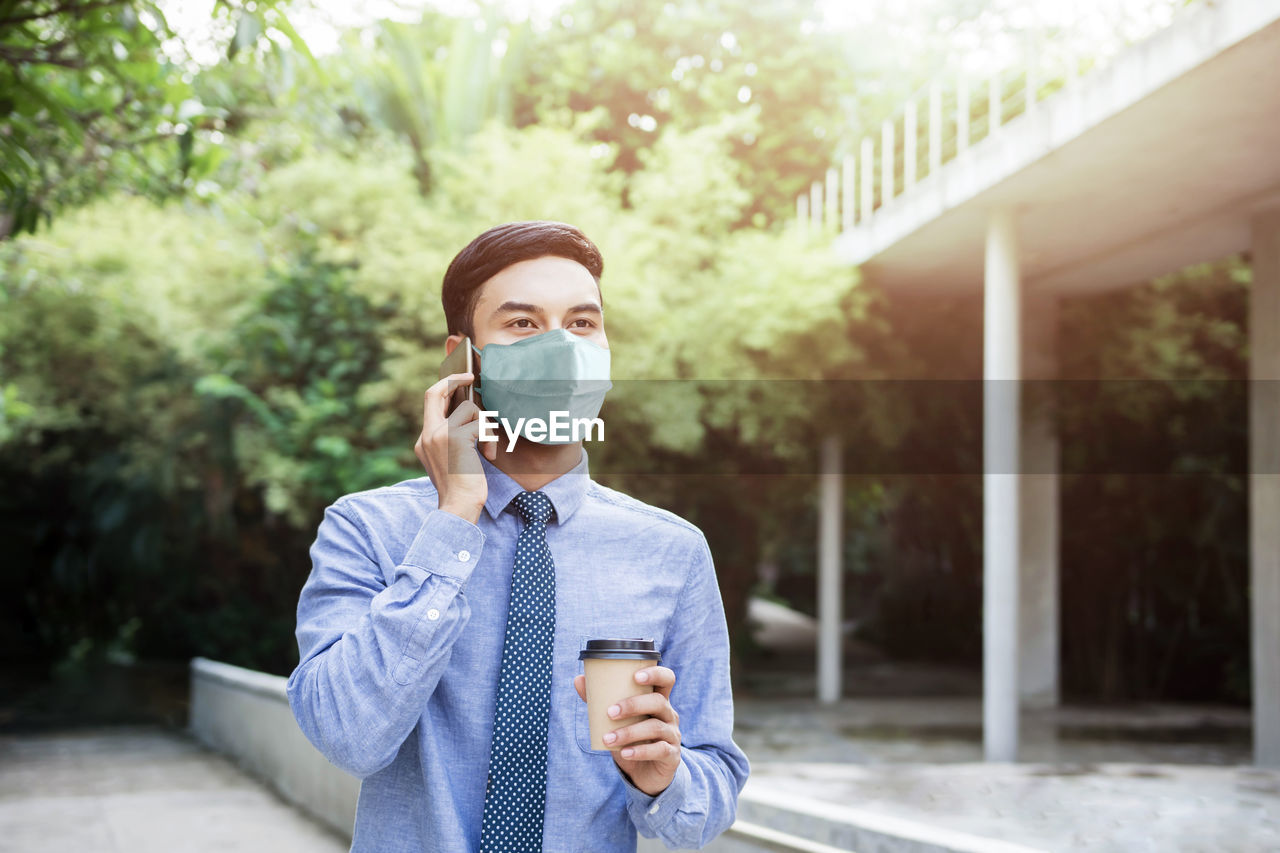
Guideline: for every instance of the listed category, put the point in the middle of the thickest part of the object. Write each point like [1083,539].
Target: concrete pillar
[847,206]
[1000,528]
[887,179]
[832,196]
[1038,494]
[868,180]
[1264,485]
[830,571]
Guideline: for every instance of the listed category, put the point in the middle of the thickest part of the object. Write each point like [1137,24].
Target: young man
[440,627]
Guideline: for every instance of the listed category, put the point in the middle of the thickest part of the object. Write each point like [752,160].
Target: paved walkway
[948,729]
[147,788]
[139,789]
[1128,779]
[1101,808]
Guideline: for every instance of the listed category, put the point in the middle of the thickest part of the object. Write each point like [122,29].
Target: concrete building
[1167,156]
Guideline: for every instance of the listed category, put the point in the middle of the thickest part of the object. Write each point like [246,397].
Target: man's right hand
[447,449]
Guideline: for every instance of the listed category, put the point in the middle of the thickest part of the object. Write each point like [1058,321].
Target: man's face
[536,296]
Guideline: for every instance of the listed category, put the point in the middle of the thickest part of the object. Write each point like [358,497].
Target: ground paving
[140,789]
[1121,779]
[1134,777]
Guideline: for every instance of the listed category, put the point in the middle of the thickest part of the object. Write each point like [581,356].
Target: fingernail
[610,737]
[642,677]
[628,752]
[614,710]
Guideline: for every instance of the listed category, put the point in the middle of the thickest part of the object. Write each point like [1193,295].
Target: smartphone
[459,361]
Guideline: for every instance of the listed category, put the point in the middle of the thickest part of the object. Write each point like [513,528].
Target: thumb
[580,684]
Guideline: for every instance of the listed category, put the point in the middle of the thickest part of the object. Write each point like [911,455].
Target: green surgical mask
[555,371]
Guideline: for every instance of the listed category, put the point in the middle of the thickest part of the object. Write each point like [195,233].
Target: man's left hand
[648,752]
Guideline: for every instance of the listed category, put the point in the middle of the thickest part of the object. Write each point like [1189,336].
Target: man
[440,627]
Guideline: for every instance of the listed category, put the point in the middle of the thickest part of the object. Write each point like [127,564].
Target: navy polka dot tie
[516,794]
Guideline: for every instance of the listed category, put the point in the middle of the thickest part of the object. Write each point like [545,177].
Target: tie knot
[533,507]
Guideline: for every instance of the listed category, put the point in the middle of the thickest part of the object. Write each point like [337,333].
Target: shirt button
[653,809]
[463,556]
[433,614]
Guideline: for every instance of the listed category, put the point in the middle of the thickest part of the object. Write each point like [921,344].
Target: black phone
[461,360]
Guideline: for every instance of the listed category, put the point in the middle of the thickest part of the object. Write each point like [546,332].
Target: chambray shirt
[400,632]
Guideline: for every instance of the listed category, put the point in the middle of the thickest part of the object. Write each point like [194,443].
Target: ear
[451,343]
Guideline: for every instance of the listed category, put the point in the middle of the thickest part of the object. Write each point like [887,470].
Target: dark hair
[500,247]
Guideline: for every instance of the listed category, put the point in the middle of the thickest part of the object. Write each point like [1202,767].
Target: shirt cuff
[656,812]
[447,545]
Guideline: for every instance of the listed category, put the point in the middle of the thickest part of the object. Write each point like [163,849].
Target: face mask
[555,371]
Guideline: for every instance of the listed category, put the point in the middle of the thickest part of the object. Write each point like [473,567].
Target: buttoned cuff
[447,545]
[656,812]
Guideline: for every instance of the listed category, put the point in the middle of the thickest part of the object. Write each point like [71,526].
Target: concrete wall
[245,715]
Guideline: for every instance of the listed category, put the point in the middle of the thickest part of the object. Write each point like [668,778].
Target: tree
[765,64]
[96,96]
[435,83]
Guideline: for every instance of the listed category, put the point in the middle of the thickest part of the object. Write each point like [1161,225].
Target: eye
[522,323]
[582,323]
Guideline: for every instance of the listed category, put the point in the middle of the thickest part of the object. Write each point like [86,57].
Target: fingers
[658,751]
[662,678]
[645,730]
[646,704]
[466,412]
[489,449]
[435,402]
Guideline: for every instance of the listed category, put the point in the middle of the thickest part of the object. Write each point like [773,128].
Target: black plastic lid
[630,648]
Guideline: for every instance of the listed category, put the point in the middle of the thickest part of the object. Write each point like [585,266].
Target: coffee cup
[610,666]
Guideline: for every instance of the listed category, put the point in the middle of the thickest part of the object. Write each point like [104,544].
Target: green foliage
[1155,568]
[96,99]
[293,371]
[435,83]
[94,487]
[184,385]
[760,65]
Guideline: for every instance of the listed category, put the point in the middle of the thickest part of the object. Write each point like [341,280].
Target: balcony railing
[934,127]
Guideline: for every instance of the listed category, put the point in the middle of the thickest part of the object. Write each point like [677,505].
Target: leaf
[281,22]
[248,30]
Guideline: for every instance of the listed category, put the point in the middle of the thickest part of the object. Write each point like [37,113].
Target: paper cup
[610,666]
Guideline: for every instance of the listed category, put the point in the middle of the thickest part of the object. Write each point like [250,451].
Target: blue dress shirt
[400,631]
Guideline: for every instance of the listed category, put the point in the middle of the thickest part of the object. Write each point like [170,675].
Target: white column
[849,169]
[962,116]
[830,571]
[1000,531]
[909,132]
[995,103]
[886,162]
[1264,485]
[832,197]
[815,205]
[935,127]
[1038,491]
[1032,81]
[868,179]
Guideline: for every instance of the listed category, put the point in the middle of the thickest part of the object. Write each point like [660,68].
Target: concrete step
[770,819]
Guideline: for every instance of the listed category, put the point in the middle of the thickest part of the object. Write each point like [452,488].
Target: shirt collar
[566,491]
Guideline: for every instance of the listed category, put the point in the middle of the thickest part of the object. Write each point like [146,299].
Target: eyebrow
[515,307]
